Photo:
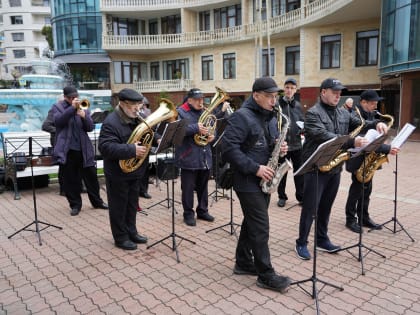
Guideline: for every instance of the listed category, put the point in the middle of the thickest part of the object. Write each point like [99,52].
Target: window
[129,72]
[171,24]
[122,26]
[15,3]
[292,60]
[47,20]
[16,19]
[18,37]
[19,53]
[367,48]
[207,68]
[229,66]
[154,71]
[153,27]
[204,19]
[227,17]
[175,69]
[266,63]
[330,51]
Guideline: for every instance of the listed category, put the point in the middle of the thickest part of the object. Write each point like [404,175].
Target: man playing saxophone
[194,159]
[325,121]
[247,145]
[367,107]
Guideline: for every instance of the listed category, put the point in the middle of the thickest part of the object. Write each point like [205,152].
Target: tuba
[279,170]
[208,119]
[341,155]
[143,134]
[373,160]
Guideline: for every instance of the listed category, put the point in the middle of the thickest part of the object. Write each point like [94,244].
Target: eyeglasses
[131,103]
[271,97]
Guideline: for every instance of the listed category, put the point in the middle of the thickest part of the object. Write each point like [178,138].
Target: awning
[83,58]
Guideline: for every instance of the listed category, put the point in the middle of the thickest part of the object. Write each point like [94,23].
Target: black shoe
[354,227]
[206,217]
[102,205]
[328,247]
[244,271]
[275,282]
[190,221]
[139,239]
[145,195]
[74,211]
[127,245]
[281,202]
[372,225]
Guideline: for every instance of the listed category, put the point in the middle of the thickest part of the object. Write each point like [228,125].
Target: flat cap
[370,95]
[130,95]
[333,84]
[265,84]
[70,91]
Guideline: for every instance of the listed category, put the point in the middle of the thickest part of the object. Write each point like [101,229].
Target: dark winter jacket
[189,155]
[293,110]
[247,143]
[48,126]
[65,119]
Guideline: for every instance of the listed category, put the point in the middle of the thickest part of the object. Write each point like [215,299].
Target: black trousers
[252,247]
[296,158]
[73,173]
[144,180]
[358,193]
[122,203]
[317,197]
[194,180]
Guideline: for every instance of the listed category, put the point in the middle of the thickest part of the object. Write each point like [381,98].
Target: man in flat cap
[122,188]
[74,151]
[247,145]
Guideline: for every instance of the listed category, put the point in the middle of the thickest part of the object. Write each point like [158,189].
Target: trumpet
[83,104]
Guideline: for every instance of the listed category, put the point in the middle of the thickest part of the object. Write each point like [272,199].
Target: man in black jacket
[247,145]
[122,188]
[359,194]
[323,122]
[293,110]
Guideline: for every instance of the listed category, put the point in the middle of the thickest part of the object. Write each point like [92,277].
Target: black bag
[225,177]
[166,169]
[20,161]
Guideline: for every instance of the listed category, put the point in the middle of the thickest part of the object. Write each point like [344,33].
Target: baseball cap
[370,95]
[195,93]
[265,84]
[70,91]
[332,83]
[290,80]
[130,95]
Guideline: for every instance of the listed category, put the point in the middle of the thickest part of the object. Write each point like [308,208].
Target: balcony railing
[144,5]
[278,24]
[163,85]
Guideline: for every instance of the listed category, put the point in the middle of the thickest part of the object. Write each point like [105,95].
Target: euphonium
[207,119]
[342,155]
[83,104]
[269,187]
[143,134]
[373,160]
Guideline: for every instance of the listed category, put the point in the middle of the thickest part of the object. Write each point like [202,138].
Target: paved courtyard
[77,269]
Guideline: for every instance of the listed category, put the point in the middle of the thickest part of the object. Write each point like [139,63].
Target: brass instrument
[83,104]
[143,134]
[270,186]
[373,160]
[340,156]
[207,119]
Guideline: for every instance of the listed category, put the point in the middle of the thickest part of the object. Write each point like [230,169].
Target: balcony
[163,85]
[147,5]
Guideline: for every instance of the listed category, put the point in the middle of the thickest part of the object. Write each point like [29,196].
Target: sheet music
[402,136]
[371,136]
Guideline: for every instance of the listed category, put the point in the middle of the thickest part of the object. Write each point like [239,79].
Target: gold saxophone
[207,119]
[143,134]
[373,160]
[342,155]
[270,186]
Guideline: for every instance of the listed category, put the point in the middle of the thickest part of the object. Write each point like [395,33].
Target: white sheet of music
[402,136]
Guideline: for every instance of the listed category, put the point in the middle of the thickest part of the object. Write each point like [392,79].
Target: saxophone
[208,119]
[270,186]
[342,155]
[373,160]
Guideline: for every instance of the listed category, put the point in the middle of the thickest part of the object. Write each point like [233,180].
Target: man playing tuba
[367,107]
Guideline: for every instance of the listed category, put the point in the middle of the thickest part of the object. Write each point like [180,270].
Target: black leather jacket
[324,122]
[293,110]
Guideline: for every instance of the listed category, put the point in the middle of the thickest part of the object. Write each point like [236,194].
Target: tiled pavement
[77,270]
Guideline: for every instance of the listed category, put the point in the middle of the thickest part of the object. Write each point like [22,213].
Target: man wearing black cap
[293,110]
[367,107]
[74,151]
[195,161]
[247,145]
[122,188]
[323,122]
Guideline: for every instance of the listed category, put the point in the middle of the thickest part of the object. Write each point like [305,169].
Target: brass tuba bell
[143,134]
[83,104]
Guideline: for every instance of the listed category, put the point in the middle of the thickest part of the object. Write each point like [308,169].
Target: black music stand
[36,221]
[405,133]
[373,146]
[216,194]
[175,135]
[320,157]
